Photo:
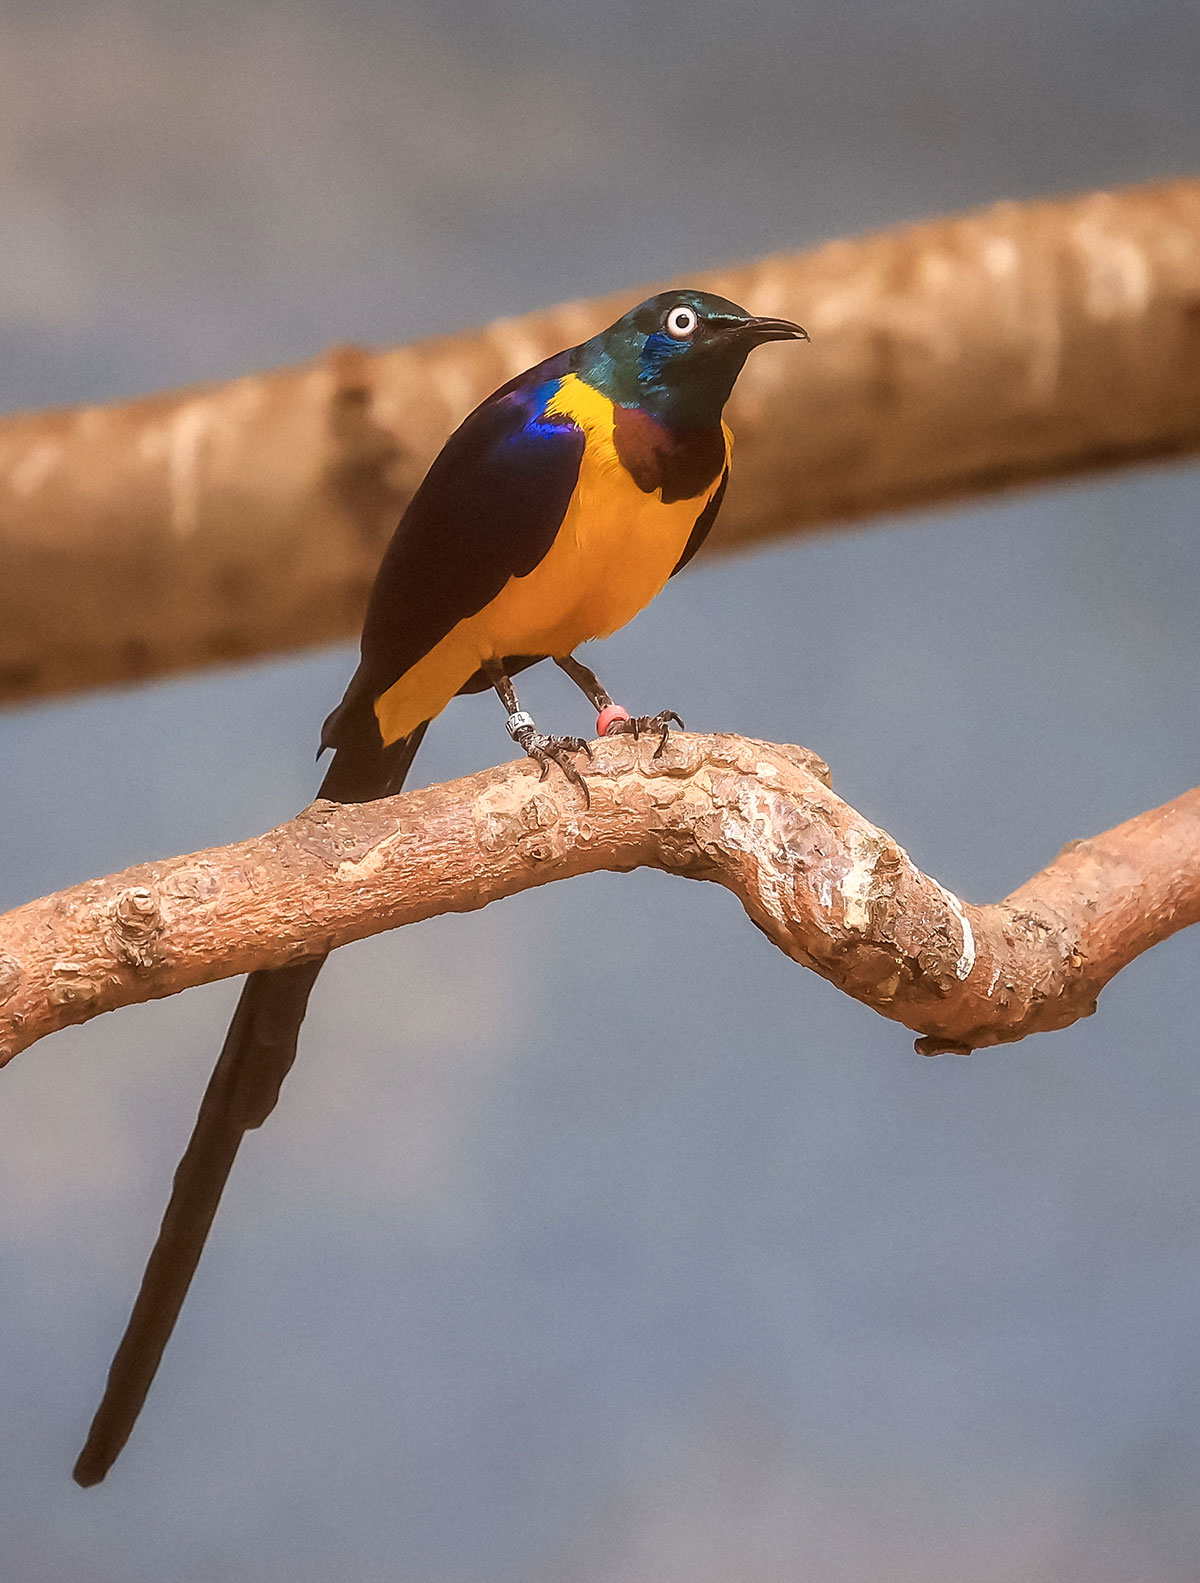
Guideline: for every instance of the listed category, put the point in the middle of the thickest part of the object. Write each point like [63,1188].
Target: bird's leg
[611,719]
[588,683]
[543,750]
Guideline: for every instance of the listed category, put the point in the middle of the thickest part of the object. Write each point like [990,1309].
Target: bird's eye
[681,322]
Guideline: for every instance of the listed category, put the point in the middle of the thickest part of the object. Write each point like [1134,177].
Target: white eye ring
[681,322]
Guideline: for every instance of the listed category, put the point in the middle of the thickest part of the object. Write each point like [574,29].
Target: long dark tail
[256,1057]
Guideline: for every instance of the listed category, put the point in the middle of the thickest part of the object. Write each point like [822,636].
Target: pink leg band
[608,717]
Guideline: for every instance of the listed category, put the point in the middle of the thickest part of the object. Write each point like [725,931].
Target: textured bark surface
[1026,342]
[828,888]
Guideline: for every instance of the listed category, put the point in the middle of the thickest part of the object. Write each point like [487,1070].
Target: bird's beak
[760,330]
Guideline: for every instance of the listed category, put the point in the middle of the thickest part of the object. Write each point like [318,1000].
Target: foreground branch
[828,888]
[1026,342]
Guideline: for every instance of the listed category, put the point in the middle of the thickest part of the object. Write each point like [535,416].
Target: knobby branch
[824,884]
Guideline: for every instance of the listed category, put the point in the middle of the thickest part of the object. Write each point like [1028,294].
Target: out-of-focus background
[592,1240]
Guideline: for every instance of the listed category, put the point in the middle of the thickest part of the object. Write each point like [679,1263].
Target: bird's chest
[618,547]
[623,534]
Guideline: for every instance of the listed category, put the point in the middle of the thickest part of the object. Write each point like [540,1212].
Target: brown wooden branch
[825,885]
[1026,342]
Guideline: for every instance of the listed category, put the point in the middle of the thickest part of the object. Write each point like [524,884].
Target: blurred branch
[1027,342]
[828,888]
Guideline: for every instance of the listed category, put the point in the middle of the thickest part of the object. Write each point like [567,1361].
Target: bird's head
[678,354]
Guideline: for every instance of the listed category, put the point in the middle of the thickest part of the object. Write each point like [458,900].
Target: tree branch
[1023,343]
[827,887]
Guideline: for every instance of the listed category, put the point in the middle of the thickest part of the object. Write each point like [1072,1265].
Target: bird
[556,511]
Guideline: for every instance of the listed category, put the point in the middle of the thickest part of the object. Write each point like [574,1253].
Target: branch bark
[1020,344]
[827,887]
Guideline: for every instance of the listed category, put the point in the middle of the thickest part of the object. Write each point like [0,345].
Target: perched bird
[557,510]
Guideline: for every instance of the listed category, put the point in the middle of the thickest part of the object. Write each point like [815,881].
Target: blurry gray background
[592,1240]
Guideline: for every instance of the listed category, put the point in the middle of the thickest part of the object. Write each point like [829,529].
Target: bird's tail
[256,1057]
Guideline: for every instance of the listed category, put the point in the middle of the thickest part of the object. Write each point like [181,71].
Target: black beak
[759,330]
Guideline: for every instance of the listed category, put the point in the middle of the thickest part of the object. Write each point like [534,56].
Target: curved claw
[664,719]
[636,724]
[545,751]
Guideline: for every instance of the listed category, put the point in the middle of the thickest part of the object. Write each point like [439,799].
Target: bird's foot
[544,750]
[615,721]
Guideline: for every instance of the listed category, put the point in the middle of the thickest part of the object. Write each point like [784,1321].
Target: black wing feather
[488,510]
[703,523]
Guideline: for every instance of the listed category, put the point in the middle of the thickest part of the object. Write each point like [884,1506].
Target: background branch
[1026,342]
[827,887]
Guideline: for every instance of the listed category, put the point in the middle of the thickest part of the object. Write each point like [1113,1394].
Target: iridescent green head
[678,355]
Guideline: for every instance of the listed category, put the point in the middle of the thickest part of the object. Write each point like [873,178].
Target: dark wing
[703,523]
[488,510]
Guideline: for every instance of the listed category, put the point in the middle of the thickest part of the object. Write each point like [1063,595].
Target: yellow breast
[614,552]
